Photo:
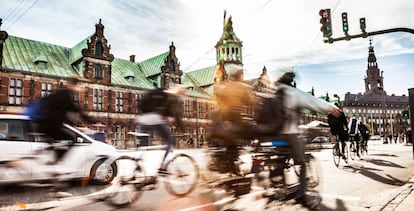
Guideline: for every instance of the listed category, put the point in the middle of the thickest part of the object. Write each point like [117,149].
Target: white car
[18,139]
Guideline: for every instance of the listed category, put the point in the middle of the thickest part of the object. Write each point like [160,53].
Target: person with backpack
[157,106]
[295,100]
[353,126]
[50,112]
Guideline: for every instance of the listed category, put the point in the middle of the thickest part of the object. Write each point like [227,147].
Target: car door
[15,144]
[76,158]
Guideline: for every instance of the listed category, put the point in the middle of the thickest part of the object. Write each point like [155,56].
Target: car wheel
[103,174]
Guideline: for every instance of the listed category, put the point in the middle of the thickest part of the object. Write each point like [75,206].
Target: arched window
[97,71]
[98,49]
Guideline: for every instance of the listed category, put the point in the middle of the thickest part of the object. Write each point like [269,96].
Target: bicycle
[180,179]
[353,148]
[338,154]
[364,147]
[272,168]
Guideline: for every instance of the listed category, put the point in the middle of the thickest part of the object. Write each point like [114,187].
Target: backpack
[154,100]
[34,110]
[354,127]
[271,113]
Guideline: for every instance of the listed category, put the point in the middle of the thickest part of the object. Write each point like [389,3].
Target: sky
[279,35]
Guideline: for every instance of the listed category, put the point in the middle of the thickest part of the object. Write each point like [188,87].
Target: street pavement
[399,197]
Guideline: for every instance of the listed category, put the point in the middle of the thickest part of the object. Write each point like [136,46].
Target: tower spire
[373,80]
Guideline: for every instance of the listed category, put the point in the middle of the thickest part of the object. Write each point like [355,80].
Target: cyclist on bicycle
[233,98]
[363,129]
[294,101]
[339,128]
[57,108]
[157,106]
[353,126]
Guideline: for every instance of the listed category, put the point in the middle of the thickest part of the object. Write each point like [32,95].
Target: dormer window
[98,49]
[97,71]
[129,75]
[41,61]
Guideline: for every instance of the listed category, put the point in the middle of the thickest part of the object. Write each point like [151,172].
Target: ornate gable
[97,57]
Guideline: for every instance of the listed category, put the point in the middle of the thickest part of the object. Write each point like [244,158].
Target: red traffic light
[325,20]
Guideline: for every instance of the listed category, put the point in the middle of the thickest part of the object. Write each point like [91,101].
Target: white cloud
[275,34]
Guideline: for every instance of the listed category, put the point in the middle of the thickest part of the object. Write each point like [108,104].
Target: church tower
[373,80]
[228,49]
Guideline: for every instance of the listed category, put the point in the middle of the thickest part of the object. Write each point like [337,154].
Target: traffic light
[326,27]
[362,24]
[345,26]
[406,114]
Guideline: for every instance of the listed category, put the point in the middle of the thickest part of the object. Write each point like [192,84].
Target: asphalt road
[366,183]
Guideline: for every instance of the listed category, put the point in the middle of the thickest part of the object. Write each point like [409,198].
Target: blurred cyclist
[294,101]
[58,108]
[161,105]
[233,97]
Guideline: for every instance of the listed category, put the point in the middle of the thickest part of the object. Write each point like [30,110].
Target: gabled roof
[127,73]
[76,51]
[21,54]
[201,77]
[152,66]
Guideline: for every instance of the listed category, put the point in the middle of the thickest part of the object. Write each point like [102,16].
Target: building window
[119,132]
[98,48]
[15,91]
[97,99]
[138,103]
[187,109]
[200,110]
[97,71]
[46,89]
[119,102]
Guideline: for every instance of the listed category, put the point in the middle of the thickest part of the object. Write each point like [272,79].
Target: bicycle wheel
[364,150]
[336,154]
[352,150]
[182,176]
[126,188]
[346,153]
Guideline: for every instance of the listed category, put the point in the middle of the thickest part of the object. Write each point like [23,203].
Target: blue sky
[275,34]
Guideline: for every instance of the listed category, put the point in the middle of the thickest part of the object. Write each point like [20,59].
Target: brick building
[31,69]
[382,112]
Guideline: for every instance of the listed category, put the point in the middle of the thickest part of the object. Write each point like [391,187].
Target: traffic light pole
[411,102]
[366,34]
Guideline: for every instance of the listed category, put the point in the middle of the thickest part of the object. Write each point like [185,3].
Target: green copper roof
[76,51]
[152,66]
[21,54]
[201,77]
[127,73]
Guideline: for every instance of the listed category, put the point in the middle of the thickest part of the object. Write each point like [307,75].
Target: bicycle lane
[370,182]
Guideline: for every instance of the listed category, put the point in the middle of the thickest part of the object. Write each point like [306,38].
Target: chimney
[132,58]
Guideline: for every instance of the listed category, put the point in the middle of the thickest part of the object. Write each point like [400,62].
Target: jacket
[296,99]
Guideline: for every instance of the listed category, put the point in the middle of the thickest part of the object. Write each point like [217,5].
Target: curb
[398,199]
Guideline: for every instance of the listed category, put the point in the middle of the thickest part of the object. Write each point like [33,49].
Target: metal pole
[411,112]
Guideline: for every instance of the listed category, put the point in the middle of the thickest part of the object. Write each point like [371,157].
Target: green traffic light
[345,28]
